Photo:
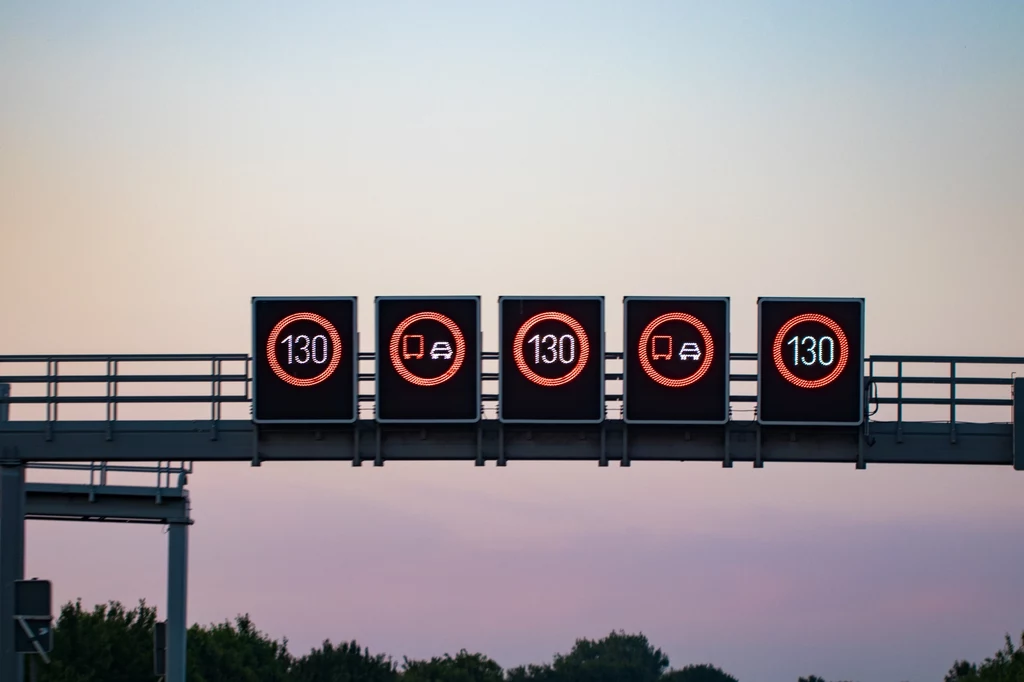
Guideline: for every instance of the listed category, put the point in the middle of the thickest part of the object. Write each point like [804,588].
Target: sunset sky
[162,163]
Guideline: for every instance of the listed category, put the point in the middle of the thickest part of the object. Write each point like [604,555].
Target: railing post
[51,395]
[111,397]
[952,402]
[899,402]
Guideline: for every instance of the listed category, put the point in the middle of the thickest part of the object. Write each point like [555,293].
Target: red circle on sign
[396,357]
[284,376]
[844,351]
[709,350]
[517,349]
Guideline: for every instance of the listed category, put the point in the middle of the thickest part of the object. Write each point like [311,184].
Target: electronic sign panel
[810,361]
[428,359]
[676,360]
[551,364]
[305,360]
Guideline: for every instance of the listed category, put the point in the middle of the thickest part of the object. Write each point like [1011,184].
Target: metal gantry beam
[240,441]
[167,505]
[106,503]
[947,385]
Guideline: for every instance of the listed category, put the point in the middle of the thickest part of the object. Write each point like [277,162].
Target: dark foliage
[115,644]
[704,672]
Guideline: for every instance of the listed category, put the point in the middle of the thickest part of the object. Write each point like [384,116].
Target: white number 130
[562,349]
[816,351]
[315,350]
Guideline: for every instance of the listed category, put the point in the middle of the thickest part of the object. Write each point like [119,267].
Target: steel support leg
[177,594]
[12,563]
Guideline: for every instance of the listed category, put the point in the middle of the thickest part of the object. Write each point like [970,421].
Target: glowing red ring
[844,351]
[335,354]
[396,357]
[709,350]
[517,349]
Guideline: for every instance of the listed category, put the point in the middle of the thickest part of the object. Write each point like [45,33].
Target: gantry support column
[12,562]
[177,596]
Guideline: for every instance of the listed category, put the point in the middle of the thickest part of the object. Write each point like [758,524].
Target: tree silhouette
[345,662]
[704,672]
[115,644]
[464,667]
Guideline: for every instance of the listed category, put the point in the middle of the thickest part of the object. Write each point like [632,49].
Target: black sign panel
[428,359]
[676,360]
[306,360]
[160,648]
[40,631]
[810,361]
[33,616]
[33,598]
[551,366]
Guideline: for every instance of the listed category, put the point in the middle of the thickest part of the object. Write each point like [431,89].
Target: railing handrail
[170,474]
[128,357]
[217,378]
[946,359]
[486,355]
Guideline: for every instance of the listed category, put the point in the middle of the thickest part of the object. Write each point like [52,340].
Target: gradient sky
[161,163]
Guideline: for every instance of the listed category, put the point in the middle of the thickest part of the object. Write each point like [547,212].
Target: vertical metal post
[899,402]
[12,562]
[1018,423]
[177,593]
[603,458]
[12,551]
[727,456]
[952,402]
[501,445]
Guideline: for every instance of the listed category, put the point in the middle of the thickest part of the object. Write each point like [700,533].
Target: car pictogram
[441,350]
[689,351]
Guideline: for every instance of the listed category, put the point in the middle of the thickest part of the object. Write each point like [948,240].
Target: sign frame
[859,363]
[479,360]
[354,360]
[726,356]
[600,357]
[160,648]
[28,622]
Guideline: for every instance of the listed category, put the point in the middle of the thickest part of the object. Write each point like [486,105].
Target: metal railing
[117,375]
[169,475]
[48,381]
[949,377]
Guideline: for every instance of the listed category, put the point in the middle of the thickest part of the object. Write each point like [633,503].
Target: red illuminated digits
[335,360]
[400,339]
[844,352]
[645,357]
[576,327]
[418,345]
[666,348]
